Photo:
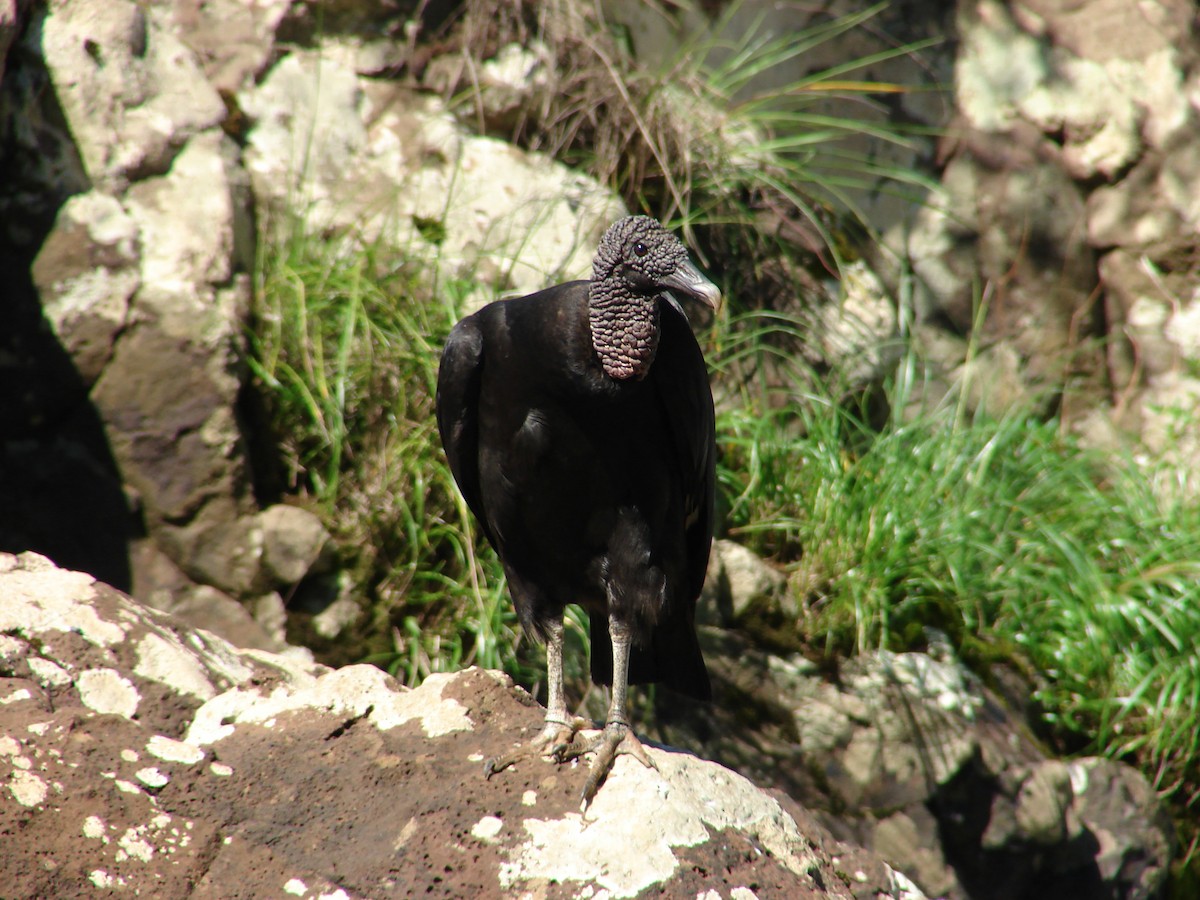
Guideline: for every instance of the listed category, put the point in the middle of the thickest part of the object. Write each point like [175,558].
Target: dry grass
[747,176]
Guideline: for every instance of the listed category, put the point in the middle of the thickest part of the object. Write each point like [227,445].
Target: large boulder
[140,756]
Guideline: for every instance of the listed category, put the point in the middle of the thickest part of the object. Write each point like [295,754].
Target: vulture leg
[617,736]
[561,726]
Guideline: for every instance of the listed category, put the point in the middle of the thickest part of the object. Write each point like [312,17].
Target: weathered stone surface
[1066,141]
[909,755]
[139,756]
[474,205]
[293,541]
[162,585]
[8,29]
[893,726]
[86,273]
[143,274]
[1153,208]
[233,41]
[738,581]
[131,92]
[158,397]
[1008,219]
[1046,64]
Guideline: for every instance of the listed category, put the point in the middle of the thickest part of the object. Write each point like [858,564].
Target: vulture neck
[624,330]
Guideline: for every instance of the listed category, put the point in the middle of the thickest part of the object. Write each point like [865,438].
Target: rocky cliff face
[134,215]
[144,147]
[140,756]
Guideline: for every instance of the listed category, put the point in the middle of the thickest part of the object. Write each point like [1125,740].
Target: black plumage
[578,423]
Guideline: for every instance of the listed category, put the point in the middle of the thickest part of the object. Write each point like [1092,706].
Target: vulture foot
[554,737]
[616,738]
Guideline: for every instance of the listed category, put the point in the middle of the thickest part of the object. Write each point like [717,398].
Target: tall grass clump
[1001,532]
[345,348]
[764,178]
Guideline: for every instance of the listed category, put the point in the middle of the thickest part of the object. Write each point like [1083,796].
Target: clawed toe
[554,736]
[563,742]
[616,739]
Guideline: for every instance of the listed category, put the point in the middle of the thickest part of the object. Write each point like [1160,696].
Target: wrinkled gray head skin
[640,256]
[641,244]
[636,261]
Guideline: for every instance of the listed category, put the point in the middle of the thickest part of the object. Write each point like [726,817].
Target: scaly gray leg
[561,726]
[617,736]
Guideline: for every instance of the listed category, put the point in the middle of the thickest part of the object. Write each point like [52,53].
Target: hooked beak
[689,280]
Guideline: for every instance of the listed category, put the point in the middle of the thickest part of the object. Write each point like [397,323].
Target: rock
[270,612]
[1120,810]
[1043,803]
[142,756]
[910,835]
[149,306]
[169,426]
[1004,214]
[1045,64]
[162,585]
[294,540]
[1143,303]
[737,582]
[909,755]
[891,727]
[1067,142]
[132,93]
[1147,211]
[858,334]
[233,41]
[508,85]
[473,206]
[86,273]
[324,606]
[8,29]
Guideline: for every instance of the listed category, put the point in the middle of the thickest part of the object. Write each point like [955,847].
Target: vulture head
[638,260]
[641,257]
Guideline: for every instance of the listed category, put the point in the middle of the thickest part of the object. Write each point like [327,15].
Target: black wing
[459,376]
[682,382]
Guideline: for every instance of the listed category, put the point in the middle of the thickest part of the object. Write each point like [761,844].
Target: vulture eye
[640,249]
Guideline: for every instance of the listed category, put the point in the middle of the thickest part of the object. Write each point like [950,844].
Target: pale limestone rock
[470,205]
[86,272]
[233,40]
[738,581]
[40,597]
[858,334]
[293,541]
[1043,803]
[342,612]
[186,220]
[1108,106]
[107,691]
[131,91]
[657,810]
[8,28]
[350,691]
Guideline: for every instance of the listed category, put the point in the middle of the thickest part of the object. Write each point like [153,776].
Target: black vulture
[578,423]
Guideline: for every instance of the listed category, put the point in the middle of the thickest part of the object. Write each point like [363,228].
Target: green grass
[1002,533]
[345,347]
